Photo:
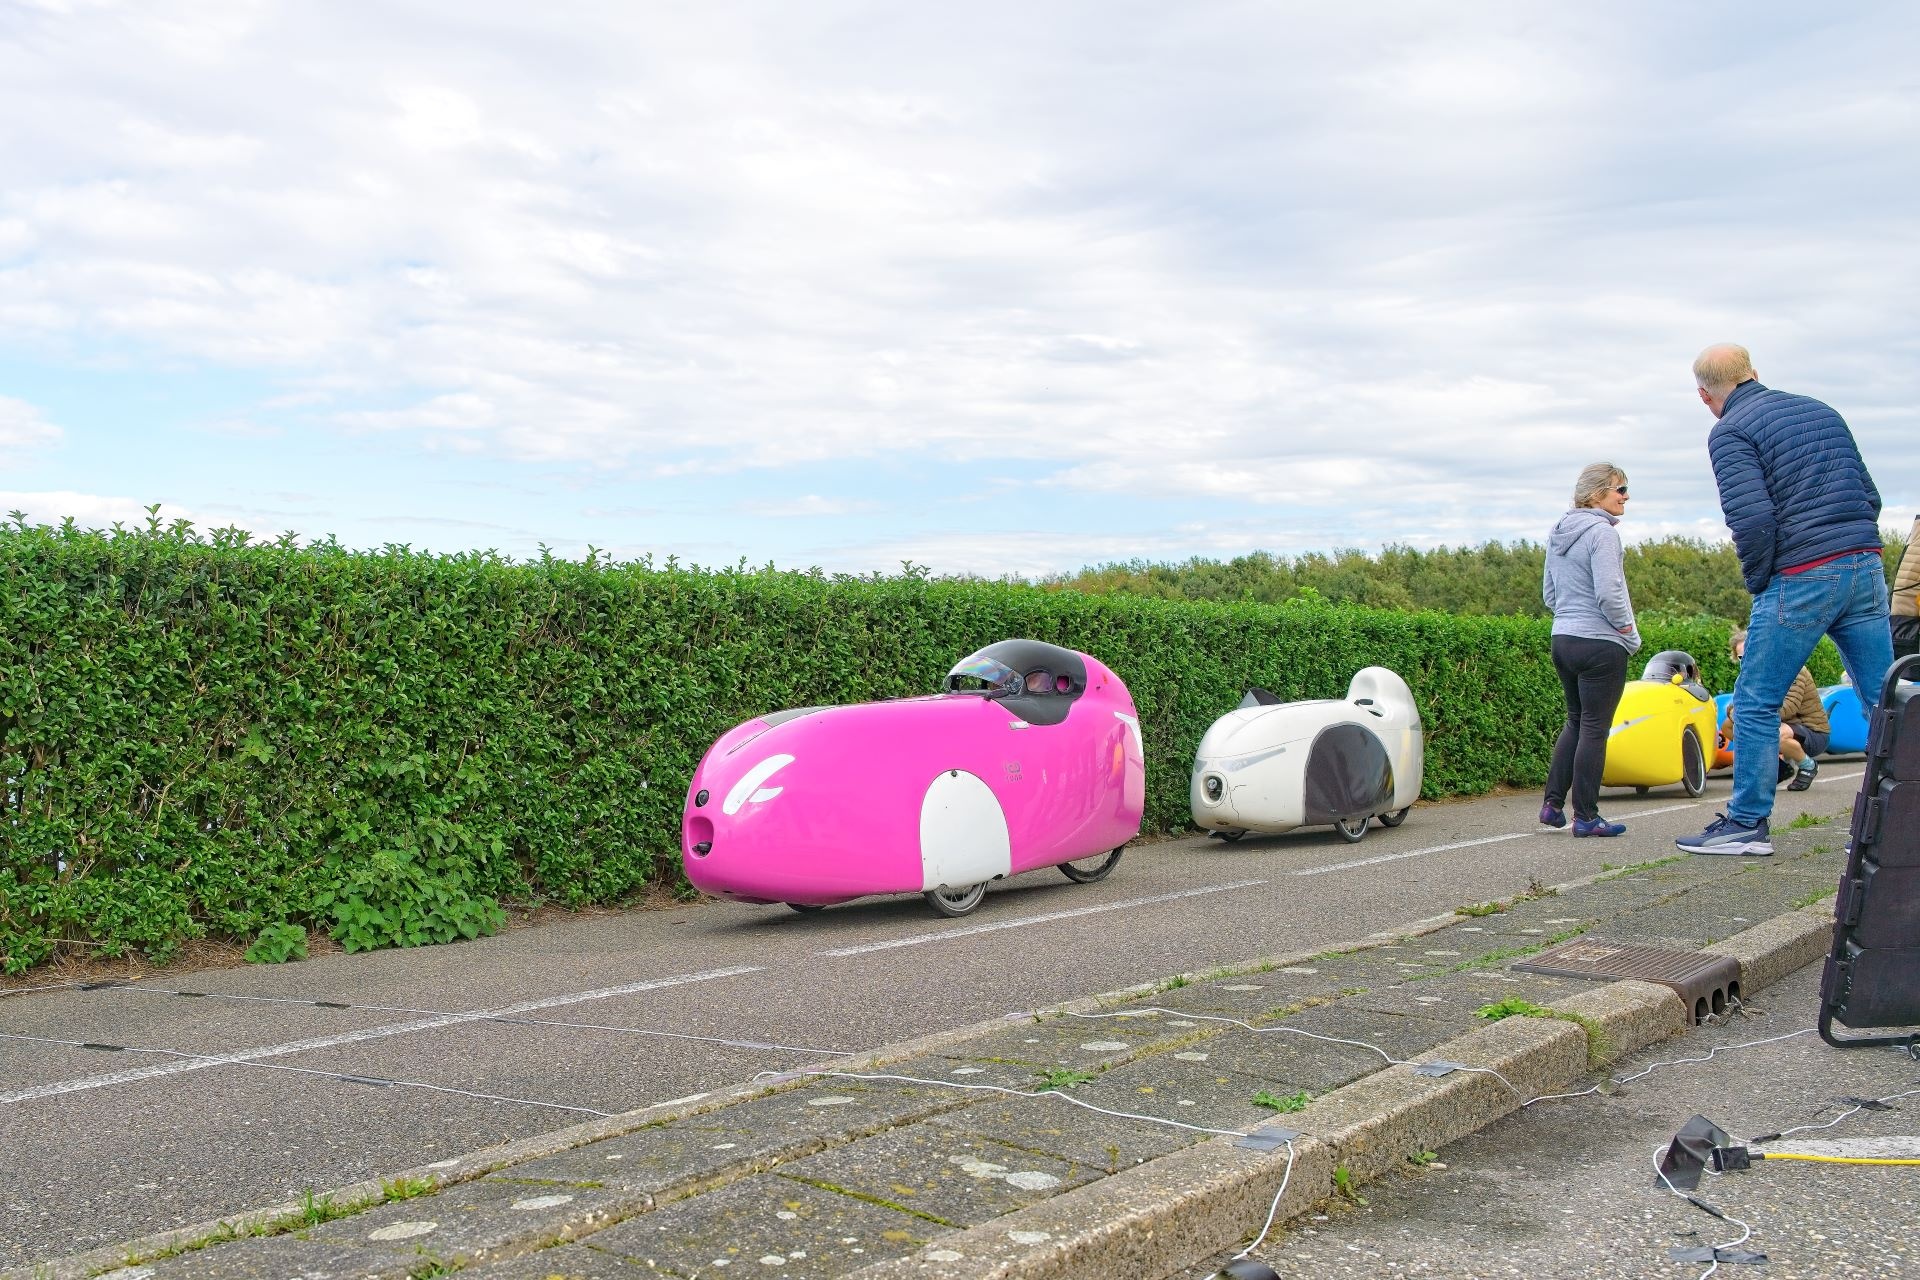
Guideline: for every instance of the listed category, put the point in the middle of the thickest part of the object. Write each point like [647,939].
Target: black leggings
[1592,672]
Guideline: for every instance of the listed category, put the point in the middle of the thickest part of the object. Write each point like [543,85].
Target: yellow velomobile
[1663,729]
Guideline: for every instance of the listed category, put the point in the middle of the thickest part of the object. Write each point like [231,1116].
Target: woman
[1593,635]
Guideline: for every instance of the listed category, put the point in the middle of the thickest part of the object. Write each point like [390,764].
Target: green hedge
[202,737]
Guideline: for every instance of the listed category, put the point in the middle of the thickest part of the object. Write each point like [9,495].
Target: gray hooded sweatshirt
[1585,584]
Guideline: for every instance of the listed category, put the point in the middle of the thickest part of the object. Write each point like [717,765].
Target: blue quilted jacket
[1792,485]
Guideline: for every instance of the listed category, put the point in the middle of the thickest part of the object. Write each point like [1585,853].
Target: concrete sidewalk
[1566,1188]
[916,1161]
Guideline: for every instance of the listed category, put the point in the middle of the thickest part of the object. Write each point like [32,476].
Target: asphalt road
[621,1011]
[1566,1188]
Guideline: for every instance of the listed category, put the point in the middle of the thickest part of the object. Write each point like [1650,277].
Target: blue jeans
[1845,599]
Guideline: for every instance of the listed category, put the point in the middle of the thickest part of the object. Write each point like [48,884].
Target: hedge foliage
[205,737]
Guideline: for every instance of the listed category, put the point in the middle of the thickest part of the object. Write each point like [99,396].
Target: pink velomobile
[1031,757]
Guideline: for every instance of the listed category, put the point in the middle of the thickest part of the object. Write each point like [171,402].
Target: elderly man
[1805,519]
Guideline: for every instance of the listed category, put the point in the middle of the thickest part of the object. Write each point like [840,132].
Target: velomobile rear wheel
[1395,818]
[1693,763]
[805,908]
[1087,870]
[1352,830]
[949,901]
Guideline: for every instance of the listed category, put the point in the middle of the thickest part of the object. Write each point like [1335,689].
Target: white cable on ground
[1000,1088]
[1311,1035]
[530,1022]
[1745,1234]
[1807,1128]
[1272,1211]
[1672,1062]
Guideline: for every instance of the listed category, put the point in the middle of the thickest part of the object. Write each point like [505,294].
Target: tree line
[1679,578]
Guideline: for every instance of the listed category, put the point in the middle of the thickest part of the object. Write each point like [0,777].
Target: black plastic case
[1872,978]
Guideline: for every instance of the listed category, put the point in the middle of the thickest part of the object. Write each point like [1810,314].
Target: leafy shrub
[277,944]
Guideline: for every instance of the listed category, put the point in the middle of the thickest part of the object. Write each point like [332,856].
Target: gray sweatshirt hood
[1574,526]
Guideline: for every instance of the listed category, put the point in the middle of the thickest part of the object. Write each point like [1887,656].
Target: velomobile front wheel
[1395,818]
[1087,870]
[1693,763]
[805,908]
[1352,830]
[949,901]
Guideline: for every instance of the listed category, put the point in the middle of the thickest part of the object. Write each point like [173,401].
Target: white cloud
[22,426]
[1293,260]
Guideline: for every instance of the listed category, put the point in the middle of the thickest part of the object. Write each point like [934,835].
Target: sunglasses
[1621,490]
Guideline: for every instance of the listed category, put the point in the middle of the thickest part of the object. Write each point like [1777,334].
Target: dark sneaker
[1725,836]
[1598,827]
[1552,815]
[1803,775]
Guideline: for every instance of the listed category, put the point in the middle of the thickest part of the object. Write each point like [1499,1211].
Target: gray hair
[1595,479]
[1722,367]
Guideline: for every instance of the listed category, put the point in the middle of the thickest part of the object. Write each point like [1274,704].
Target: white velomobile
[1270,766]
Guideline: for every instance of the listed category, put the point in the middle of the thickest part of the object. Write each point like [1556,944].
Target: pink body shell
[900,797]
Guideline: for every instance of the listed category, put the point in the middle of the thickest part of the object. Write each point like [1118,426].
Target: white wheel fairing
[963,832]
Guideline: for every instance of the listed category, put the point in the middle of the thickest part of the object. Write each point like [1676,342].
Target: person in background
[1594,633]
[1804,727]
[1805,517]
[1905,607]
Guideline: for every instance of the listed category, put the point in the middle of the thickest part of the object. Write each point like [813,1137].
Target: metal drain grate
[1707,983]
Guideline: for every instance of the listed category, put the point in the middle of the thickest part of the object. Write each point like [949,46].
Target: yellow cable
[1792,1155]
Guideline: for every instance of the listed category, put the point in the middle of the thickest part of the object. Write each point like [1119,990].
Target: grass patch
[1480,909]
[1807,821]
[1424,1158]
[1610,872]
[405,1189]
[1599,1046]
[1062,1078]
[1808,899]
[1343,1185]
[1283,1104]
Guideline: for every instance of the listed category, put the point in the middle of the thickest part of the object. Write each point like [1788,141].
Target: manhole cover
[1707,983]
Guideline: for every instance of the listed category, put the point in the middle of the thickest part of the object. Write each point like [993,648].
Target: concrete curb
[1183,1206]
[1169,1213]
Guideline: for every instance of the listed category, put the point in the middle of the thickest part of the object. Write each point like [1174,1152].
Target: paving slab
[565,1262]
[957,1177]
[273,1258]
[475,1220]
[771,1227]
[1060,1129]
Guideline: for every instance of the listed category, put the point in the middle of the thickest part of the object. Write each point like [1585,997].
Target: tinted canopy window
[981,674]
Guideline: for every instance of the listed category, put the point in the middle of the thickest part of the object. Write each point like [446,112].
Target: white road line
[1838,777]
[1671,808]
[1024,921]
[1411,853]
[1515,835]
[366,1033]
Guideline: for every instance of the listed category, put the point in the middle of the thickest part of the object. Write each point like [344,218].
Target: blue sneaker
[1725,836]
[1552,815]
[1598,826]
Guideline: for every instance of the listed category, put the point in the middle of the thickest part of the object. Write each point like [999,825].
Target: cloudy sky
[997,288]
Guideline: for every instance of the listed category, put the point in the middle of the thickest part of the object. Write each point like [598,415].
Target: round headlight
[1212,787]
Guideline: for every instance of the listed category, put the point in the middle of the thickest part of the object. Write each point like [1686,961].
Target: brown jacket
[1801,707]
[1906,577]
[1803,704]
